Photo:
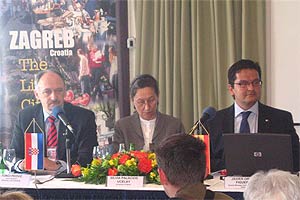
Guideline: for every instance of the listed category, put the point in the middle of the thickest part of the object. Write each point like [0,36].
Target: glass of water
[9,158]
[100,151]
[96,152]
[0,155]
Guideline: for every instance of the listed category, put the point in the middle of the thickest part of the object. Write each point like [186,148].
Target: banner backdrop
[76,37]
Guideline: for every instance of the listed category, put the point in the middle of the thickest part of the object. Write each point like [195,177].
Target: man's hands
[51,165]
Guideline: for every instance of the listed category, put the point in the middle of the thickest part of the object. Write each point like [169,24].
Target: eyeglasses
[143,102]
[47,92]
[245,84]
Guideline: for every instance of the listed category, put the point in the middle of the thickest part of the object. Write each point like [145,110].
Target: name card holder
[235,182]
[14,180]
[125,181]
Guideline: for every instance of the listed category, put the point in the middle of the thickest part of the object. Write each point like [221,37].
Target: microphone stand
[68,151]
[68,174]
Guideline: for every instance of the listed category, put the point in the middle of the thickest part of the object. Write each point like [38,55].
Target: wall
[283,73]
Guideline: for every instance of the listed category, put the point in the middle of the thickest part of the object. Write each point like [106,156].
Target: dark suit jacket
[128,130]
[270,120]
[82,142]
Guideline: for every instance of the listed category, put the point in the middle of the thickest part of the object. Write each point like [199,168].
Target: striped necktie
[245,128]
[52,133]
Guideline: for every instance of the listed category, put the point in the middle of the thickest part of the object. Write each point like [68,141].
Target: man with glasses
[147,127]
[50,90]
[248,114]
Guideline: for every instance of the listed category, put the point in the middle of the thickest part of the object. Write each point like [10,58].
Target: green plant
[132,163]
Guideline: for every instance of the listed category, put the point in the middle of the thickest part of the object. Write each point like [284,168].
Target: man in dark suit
[50,91]
[146,127]
[244,84]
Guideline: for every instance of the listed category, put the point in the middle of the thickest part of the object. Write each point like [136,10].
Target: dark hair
[142,81]
[182,158]
[238,66]
[39,75]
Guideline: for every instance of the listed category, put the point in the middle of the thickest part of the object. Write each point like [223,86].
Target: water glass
[9,158]
[1,155]
[98,152]
[122,147]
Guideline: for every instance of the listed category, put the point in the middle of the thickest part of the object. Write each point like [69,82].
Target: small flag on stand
[34,151]
[205,139]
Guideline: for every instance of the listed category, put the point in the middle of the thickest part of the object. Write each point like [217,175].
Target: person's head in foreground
[181,162]
[274,184]
[15,195]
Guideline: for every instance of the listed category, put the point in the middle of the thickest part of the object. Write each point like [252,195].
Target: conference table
[69,188]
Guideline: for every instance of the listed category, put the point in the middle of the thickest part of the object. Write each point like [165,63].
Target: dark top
[82,142]
[270,120]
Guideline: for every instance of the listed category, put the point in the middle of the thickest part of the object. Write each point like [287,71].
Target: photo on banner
[77,38]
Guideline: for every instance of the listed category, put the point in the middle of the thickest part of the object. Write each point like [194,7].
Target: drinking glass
[0,155]
[122,147]
[9,158]
[96,152]
[100,151]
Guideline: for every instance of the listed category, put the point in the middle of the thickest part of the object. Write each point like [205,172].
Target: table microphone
[208,113]
[59,113]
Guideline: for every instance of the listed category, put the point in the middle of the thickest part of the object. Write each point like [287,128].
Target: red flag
[205,139]
[34,151]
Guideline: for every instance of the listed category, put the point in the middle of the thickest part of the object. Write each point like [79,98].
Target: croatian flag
[34,151]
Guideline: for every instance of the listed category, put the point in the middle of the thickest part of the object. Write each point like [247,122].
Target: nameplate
[16,180]
[125,181]
[236,182]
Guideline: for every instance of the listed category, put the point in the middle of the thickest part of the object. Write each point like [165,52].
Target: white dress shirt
[252,119]
[148,130]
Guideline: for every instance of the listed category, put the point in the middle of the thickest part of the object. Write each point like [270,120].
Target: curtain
[188,45]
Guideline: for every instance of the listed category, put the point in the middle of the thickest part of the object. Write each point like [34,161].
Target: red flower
[115,155]
[145,165]
[139,154]
[124,158]
[112,171]
[76,170]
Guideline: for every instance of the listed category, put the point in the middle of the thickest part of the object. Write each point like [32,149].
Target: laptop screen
[245,154]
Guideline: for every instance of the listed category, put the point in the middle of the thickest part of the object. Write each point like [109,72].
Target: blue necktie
[245,128]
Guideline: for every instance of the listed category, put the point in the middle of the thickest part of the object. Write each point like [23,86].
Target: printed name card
[236,182]
[15,180]
[125,181]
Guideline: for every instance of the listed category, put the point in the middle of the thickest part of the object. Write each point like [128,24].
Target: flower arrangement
[132,163]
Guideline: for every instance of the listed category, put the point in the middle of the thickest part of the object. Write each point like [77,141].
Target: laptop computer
[245,154]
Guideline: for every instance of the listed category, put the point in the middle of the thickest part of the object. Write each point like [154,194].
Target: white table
[66,187]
